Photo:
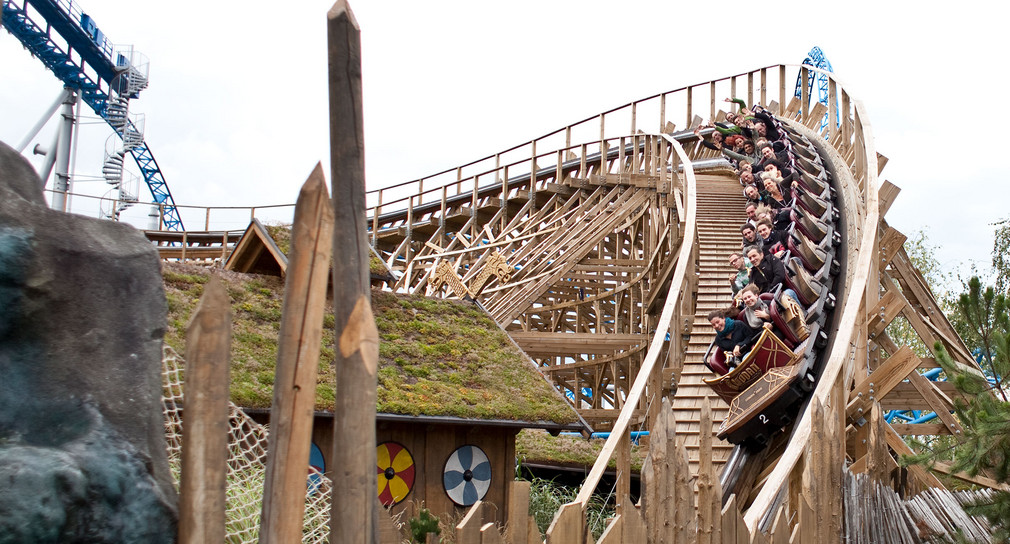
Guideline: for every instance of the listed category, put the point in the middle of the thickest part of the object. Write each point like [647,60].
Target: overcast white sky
[236,113]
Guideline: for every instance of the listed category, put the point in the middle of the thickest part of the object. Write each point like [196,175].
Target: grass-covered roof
[436,357]
[538,446]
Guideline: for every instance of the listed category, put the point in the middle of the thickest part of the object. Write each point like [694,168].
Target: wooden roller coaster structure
[599,247]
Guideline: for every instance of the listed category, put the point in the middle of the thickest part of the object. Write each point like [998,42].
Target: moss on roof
[281,233]
[376,267]
[282,236]
[436,357]
[538,446]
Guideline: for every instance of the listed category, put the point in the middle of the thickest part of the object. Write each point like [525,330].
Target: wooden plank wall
[826,503]
[678,509]
[430,449]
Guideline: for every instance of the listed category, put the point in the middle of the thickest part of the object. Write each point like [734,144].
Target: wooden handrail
[631,107]
[581,164]
[652,357]
[529,152]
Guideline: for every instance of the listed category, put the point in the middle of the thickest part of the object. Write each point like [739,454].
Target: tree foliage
[1001,255]
[984,447]
[981,319]
[980,316]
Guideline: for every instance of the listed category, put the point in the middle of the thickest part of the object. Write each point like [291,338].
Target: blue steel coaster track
[817,59]
[64,18]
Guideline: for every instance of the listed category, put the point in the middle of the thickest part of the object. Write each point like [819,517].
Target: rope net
[246,465]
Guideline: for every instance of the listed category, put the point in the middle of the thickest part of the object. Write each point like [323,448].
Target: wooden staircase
[720,214]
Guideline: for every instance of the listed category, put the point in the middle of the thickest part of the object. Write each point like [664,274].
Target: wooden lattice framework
[570,260]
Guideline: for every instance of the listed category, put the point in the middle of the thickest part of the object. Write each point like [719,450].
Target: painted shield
[467,475]
[394,471]
[317,467]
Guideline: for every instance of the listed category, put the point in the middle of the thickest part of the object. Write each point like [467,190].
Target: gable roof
[257,253]
[263,249]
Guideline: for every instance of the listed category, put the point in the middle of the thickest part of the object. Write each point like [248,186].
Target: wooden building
[454,390]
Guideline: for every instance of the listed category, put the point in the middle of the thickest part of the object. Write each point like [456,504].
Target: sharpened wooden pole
[353,516]
[205,419]
[298,363]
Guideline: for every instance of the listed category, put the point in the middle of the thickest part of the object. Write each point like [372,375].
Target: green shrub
[423,524]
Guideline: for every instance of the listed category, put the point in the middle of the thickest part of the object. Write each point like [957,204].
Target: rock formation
[82,315]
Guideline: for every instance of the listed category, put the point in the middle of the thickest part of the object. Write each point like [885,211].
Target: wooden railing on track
[665,110]
[194,245]
[572,514]
[593,136]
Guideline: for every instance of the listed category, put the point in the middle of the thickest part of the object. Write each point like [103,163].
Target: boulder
[82,316]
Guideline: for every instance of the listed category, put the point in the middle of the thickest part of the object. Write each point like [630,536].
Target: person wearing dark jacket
[733,336]
[767,272]
[772,239]
[764,124]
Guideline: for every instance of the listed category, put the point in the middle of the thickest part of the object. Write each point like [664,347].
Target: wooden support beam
[878,458]
[940,403]
[352,514]
[881,162]
[881,315]
[578,342]
[901,448]
[984,481]
[887,193]
[297,363]
[920,429]
[891,241]
[880,382]
[918,294]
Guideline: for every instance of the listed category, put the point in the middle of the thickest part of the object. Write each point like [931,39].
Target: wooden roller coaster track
[615,242]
